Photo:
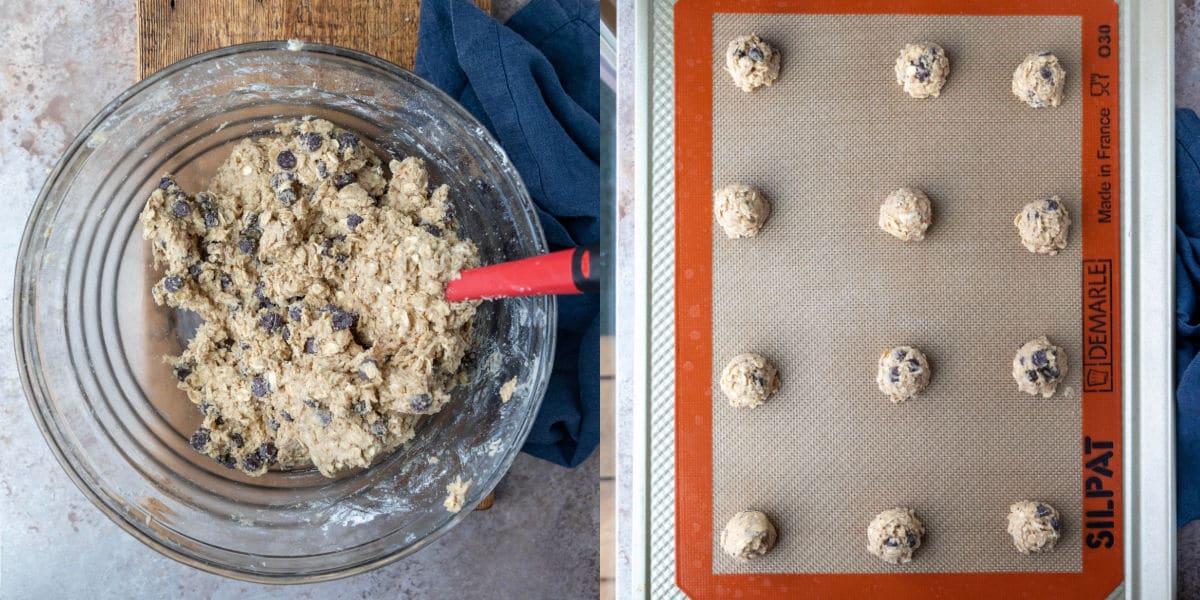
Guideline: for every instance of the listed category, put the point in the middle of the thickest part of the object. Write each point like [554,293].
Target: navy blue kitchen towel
[534,82]
[1187,313]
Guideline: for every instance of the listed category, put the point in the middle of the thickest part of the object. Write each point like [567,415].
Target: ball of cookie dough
[922,69]
[741,210]
[1043,225]
[1039,80]
[906,214]
[748,535]
[1034,526]
[751,62]
[1039,367]
[894,534]
[903,373]
[749,380]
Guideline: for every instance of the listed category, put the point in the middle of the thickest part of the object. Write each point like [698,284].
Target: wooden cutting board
[171,30]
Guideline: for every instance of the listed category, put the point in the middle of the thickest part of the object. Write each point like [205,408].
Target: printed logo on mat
[1097,325]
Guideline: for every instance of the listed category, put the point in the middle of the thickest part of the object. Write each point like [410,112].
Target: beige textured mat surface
[822,292]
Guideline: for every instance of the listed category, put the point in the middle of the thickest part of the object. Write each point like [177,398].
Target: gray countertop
[63,61]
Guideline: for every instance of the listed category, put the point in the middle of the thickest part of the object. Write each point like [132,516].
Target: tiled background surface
[62,61]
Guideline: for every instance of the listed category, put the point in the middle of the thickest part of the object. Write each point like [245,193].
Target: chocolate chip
[1054,524]
[285,333]
[420,402]
[195,269]
[378,429]
[269,453]
[271,321]
[310,346]
[311,403]
[932,50]
[211,219]
[1032,375]
[172,283]
[286,160]
[225,281]
[165,182]
[344,180]
[295,312]
[347,140]
[894,375]
[899,354]
[360,407]
[286,416]
[259,386]
[285,196]
[433,230]
[1050,373]
[1043,510]
[200,439]
[180,209]
[322,170]
[311,140]
[1046,73]
[248,244]
[324,416]
[272,423]
[922,72]
[759,380]
[912,540]
[353,221]
[1039,358]
[342,320]
[251,462]
[227,461]
[1051,205]
[738,53]
[260,293]
[914,366]
[755,54]
[183,370]
[1033,214]
[892,543]
[237,439]
[1045,53]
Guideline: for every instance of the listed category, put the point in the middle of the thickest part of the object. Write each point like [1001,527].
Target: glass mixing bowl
[90,338]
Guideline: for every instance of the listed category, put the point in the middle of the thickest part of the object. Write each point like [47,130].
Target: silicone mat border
[661,254]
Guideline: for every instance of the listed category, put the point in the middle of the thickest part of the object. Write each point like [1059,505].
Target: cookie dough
[506,390]
[894,534]
[456,494]
[751,62]
[741,210]
[749,380]
[320,278]
[1039,367]
[922,69]
[906,214]
[748,535]
[1044,225]
[1034,526]
[903,373]
[1039,80]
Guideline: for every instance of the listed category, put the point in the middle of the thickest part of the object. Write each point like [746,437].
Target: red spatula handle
[562,272]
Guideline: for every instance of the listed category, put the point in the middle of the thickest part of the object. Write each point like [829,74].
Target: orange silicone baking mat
[822,291]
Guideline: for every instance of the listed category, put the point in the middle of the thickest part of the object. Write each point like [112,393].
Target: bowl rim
[33,384]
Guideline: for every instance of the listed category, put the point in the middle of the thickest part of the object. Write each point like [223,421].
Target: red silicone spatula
[563,272]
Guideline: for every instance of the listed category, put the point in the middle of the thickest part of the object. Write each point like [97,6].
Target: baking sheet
[822,292]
